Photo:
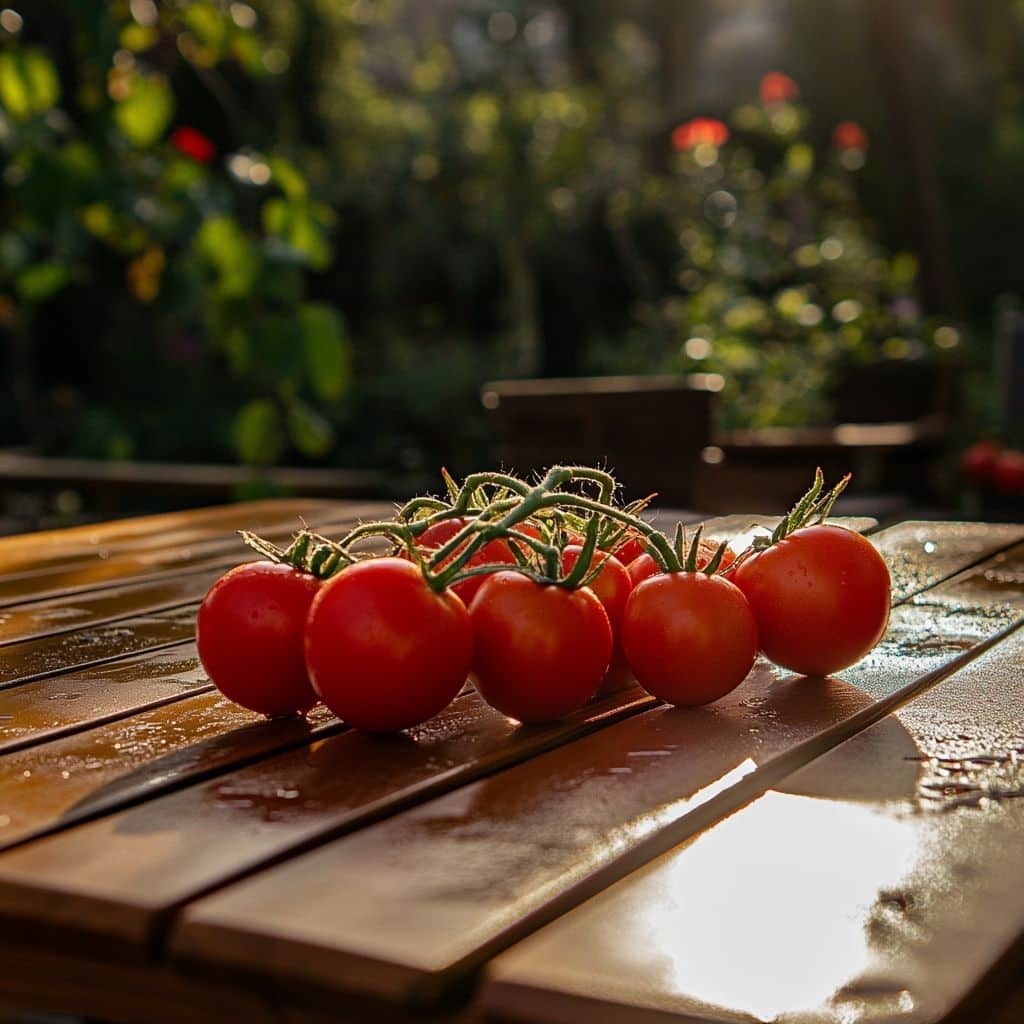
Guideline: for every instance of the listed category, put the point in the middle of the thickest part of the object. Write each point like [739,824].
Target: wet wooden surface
[161,846]
[882,881]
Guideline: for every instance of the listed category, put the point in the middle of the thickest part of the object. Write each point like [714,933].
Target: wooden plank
[920,553]
[54,785]
[235,823]
[120,534]
[35,659]
[885,886]
[66,612]
[53,549]
[90,573]
[58,705]
[405,908]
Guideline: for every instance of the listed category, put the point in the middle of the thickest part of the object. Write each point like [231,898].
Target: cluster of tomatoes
[543,597]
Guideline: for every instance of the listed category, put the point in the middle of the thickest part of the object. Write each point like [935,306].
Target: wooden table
[804,850]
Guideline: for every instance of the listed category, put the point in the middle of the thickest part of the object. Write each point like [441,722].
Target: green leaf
[222,244]
[310,432]
[299,226]
[800,159]
[209,25]
[138,37]
[276,349]
[288,177]
[29,83]
[41,281]
[257,433]
[327,350]
[145,112]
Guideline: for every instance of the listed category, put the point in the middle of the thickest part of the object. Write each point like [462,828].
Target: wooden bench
[649,430]
[657,432]
[837,849]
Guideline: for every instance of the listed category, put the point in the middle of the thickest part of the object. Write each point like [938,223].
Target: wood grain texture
[22,551]
[67,612]
[885,886]
[118,877]
[404,908]
[82,573]
[54,785]
[58,705]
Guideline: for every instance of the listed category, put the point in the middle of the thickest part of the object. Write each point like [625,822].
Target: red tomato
[1009,472]
[821,598]
[249,634]
[611,586]
[979,461]
[630,548]
[689,638]
[384,651]
[495,551]
[645,566]
[539,651]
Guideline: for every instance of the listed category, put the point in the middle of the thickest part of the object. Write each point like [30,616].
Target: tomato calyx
[813,508]
[308,553]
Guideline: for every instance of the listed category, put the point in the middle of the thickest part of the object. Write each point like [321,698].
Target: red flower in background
[700,131]
[850,135]
[193,144]
[777,87]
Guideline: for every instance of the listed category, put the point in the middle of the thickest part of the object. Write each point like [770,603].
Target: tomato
[645,566]
[493,552]
[540,651]
[631,547]
[821,598]
[978,462]
[384,650]
[611,586]
[1009,472]
[249,635]
[689,638]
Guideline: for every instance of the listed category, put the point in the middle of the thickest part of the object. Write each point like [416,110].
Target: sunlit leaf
[209,25]
[288,177]
[42,280]
[800,159]
[327,349]
[138,37]
[309,431]
[299,227]
[29,83]
[257,433]
[143,115]
[221,243]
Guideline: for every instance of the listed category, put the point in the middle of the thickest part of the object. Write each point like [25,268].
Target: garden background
[304,232]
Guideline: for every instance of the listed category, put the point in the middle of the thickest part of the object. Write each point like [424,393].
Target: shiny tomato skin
[385,652]
[493,552]
[612,587]
[689,638]
[540,651]
[630,548]
[821,598]
[249,634]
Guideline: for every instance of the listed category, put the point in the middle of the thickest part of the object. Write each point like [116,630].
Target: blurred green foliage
[295,230]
